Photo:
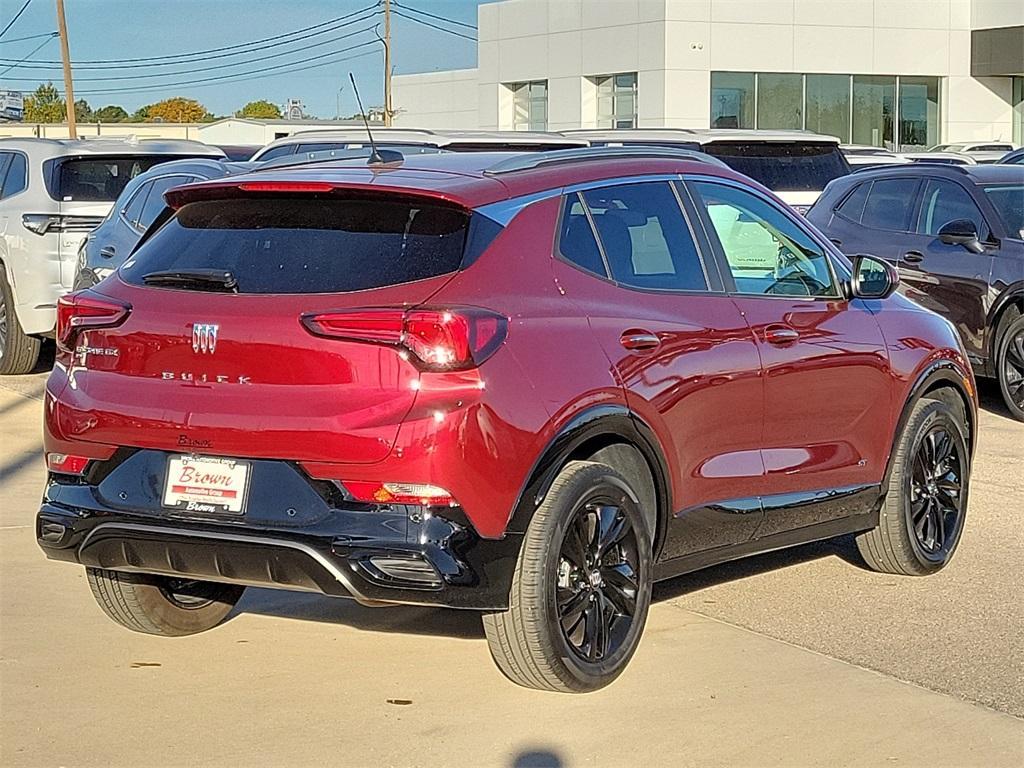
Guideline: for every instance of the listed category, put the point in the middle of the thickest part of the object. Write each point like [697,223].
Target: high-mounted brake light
[81,311]
[66,464]
[286,186]
[436,340]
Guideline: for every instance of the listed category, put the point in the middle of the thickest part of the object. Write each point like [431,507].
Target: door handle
[913,257]
[639,339]
[780,335]
[107,252]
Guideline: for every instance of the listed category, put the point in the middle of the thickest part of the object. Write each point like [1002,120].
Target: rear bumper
[394,555]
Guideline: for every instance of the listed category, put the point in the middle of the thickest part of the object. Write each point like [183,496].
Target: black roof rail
[327,155]
[532,160]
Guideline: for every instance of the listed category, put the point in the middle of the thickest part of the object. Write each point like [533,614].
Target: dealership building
[903,74]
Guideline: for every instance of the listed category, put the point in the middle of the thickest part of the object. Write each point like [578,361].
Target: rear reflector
[66,464]
[399,493]
[438,340]
[83,310]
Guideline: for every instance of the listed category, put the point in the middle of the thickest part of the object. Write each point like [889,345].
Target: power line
[18,14]
[433,15]
[221,78]
[27,37]
[434,26]
[37,48]
[254,77]
[216,66]
[86,62]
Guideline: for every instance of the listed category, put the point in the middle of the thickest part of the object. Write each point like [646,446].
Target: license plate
[206,484]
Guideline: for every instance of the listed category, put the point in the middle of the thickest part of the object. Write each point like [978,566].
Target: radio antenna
[375,157]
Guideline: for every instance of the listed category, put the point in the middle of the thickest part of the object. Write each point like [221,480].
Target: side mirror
[961,232]
[873,278]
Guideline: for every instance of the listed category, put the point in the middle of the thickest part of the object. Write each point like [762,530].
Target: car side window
[945,201]
[576,241]
[133,209]
[16,178]
[644,236]
[155,200]
[852,207]
[889,204]
[766,251]
[281,151]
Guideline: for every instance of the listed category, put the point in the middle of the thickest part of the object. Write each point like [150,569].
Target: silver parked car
[141,202]
[52,193]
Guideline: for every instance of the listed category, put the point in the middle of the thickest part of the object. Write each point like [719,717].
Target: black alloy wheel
[1011,368]
[936,493]
[597,583]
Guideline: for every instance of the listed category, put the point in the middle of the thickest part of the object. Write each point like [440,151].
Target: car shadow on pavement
[991,398]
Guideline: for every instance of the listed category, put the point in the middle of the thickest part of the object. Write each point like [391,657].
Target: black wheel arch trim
[945,371]
[1014,294]
[613,421]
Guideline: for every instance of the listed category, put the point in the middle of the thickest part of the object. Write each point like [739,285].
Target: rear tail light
[399,493]
[83,310]
[66,464]
[435,340]
[41,223]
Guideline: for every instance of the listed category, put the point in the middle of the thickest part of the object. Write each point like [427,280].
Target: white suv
[52,193]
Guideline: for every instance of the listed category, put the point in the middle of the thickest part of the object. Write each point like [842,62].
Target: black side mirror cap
[873,278]
[961,232]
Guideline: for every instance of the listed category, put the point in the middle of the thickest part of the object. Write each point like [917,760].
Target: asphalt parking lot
[800,657]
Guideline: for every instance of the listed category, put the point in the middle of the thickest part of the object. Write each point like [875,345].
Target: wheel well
[1012,309]
[954,397]
[628,459]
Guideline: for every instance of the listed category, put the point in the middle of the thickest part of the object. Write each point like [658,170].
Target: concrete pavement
[296,679]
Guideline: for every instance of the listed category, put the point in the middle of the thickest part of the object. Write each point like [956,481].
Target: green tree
[176,110]
[83,112]
[260,109]
[112,113]
[45,105]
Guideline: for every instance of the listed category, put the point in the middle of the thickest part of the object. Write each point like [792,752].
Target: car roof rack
[532,160]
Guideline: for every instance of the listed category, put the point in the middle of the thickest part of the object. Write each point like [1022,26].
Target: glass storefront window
[919,112]
[780,101]
[828,105]
[874,105]
[732,100]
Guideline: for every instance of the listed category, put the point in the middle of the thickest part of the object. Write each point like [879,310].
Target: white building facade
[904,74]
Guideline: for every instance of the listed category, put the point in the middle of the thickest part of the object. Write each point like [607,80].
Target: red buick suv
[528,385]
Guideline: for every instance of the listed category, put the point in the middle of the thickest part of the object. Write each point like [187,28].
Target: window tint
[155,201]
[645,237]
[576,241]
[766,251]
[853,206]
[945,201]
[307,245]
[889,204]
[281,151]
[16,179]
[783,166]
[1008,200]
[98,179]
[133,210]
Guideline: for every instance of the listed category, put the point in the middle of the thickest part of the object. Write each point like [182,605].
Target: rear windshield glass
[98,179]
[783,167]
[307,245]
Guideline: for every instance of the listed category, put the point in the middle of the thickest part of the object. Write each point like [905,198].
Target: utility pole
[387,63]
[69,91]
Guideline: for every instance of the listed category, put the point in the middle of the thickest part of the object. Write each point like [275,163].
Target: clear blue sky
[123,29]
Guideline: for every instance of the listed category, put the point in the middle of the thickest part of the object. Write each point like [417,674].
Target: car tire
[581,588]
[158,605]
[922,517]
[19,353]
[1010,367]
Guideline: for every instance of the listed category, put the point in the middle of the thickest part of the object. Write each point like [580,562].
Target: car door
[949,279]
[827,391]
[686,359]
[874,217]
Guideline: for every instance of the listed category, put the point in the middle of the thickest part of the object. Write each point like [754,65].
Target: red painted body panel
[719,401]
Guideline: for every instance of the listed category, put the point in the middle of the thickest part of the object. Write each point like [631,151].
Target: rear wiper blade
[204,279]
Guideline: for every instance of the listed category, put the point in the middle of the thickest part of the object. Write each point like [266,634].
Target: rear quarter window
[307,245]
